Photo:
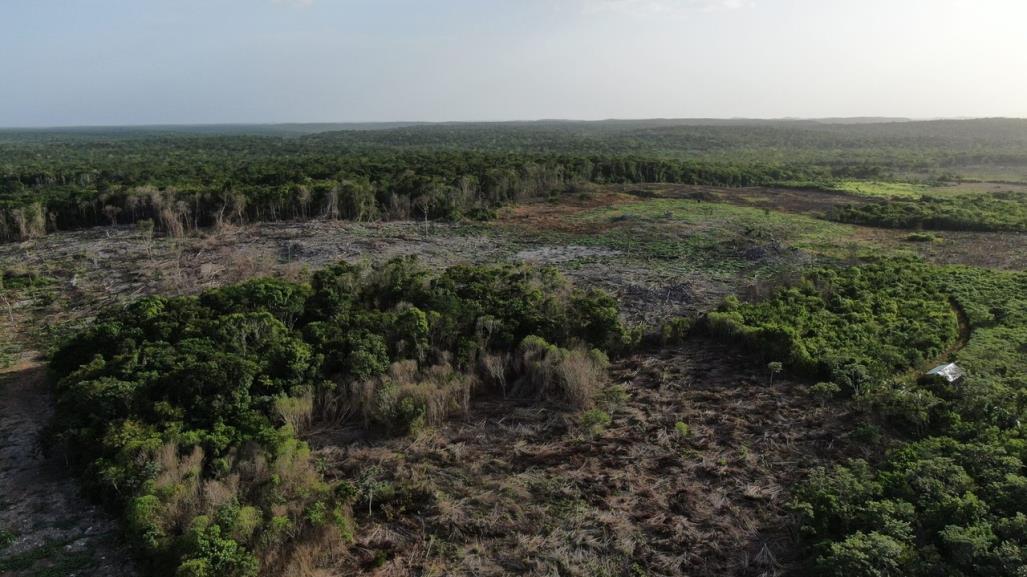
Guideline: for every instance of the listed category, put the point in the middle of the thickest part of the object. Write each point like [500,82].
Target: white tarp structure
[950,372]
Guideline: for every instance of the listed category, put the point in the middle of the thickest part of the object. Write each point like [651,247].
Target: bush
[683,430]
[866,555]
[824,392]
[595,421]
[573,376]
[184,412]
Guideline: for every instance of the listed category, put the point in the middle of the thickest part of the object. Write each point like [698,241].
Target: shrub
[866,555]
[824,391]
[595,421]
[184,412]
[683,430]
[675,330]
[573,376]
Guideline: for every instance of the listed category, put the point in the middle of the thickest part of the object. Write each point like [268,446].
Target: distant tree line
[362,187]
[193,177]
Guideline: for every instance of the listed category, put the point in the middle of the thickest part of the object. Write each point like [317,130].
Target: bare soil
[519,488]
[52,529]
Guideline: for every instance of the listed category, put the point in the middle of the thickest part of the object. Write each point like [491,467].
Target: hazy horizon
[78,63]
[403,123]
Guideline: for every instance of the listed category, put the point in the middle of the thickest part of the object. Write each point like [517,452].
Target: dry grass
[581,373]
[573,376]
[515,488]
[297,412]
[404,400]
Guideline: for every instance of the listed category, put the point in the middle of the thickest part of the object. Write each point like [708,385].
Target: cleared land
[509,487]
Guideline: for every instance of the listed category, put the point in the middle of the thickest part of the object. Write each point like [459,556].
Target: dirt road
[46,526]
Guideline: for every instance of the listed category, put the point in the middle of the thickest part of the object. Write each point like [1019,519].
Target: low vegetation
[848,325]
[980,212]
[948,496]
[186,413]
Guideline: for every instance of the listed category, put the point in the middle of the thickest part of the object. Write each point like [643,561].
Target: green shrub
[595,421]
[184,411]
[683,430]
[824,391]
[676,330]
[866,555]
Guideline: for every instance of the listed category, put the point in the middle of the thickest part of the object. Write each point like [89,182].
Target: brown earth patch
[558,216]
[523,488]
[53,529]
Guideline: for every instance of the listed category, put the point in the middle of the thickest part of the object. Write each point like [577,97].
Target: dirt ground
[101,266]
[51,528]
[519,488]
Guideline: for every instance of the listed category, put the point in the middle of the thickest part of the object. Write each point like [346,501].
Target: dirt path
[46,526]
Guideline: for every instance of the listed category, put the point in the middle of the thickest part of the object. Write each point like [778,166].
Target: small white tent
[951,372]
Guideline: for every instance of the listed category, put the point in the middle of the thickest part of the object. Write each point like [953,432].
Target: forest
[178,180]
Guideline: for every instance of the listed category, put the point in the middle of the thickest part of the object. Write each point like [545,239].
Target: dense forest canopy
[181,177]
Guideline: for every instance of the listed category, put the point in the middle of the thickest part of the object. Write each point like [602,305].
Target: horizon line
[870,119]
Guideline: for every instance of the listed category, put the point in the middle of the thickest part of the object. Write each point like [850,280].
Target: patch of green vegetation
[685,235]
[824,391]
[595,421]
[682,429]
[8,354]
[881,189]
[48,560]
[1005,211]
[7,537]
[846,325]
[184,412]
[13,279]
[923,237]
[65,564]
[948,499]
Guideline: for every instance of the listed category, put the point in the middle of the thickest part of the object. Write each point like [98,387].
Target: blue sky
[76,62]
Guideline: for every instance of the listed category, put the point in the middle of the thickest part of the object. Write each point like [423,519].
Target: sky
[116,62]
